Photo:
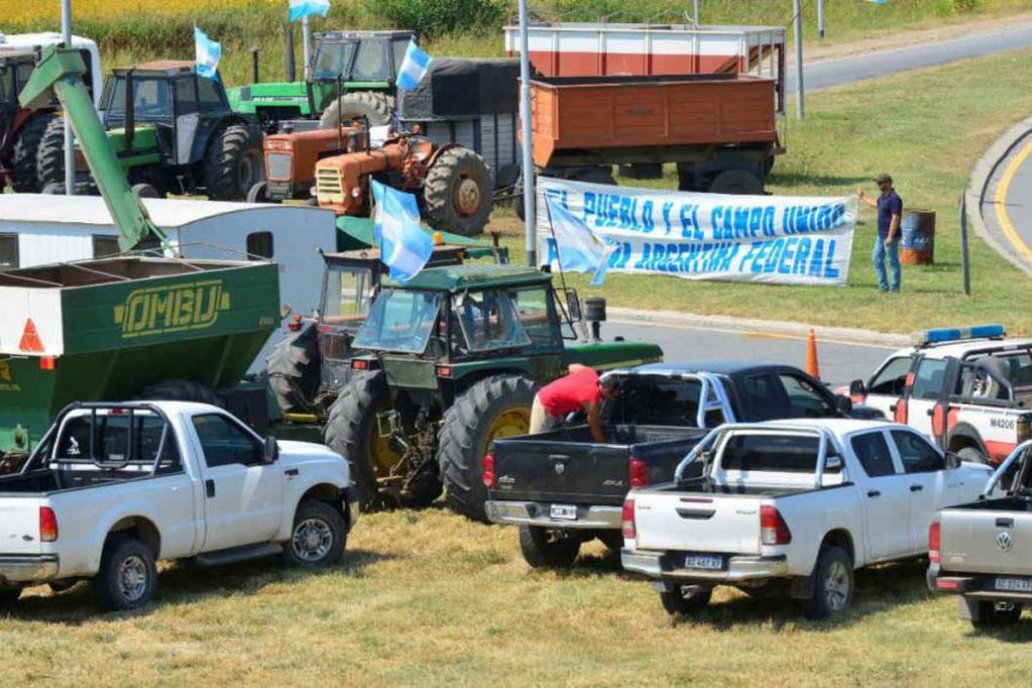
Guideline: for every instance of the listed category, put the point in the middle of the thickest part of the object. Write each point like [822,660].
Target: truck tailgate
[982,539]
[697,521]
[19,525]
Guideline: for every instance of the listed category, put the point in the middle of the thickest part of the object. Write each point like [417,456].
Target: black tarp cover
[459,87]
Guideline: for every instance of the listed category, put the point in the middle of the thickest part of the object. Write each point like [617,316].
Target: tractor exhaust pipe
[130,113]
[254,65]
[595,313]
[291,65]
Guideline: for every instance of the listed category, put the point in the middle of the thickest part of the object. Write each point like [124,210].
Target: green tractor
[451,362]
[353,75]
[173,132]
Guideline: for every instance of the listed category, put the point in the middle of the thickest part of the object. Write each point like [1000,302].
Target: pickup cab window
[892,378]
[106,440]
[774,453]
[916,454]
[928,379]
[770,396]
[873,452]
[649,400]
[224,442]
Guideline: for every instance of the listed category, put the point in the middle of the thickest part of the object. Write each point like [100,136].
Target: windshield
[349,291]
[489,319]
[331,59]
[400,320]
[152,99]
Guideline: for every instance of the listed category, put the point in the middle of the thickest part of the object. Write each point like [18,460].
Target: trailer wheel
[457,192]
[496,407]
[175,389]
[741,182]
[127,577]
[375,106]
[8,596]
[259,193]
[50,155]
[145,191]
[544,548]
[233,163]
[595,175]
[293,369]
[25,155]
[685,600]
[989,615]
[833,585]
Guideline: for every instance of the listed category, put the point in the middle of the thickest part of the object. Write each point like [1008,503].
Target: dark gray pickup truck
[562,489]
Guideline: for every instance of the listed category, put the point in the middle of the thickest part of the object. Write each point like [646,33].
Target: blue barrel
[918,229]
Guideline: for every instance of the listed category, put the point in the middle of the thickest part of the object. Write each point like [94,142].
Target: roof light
[950,334]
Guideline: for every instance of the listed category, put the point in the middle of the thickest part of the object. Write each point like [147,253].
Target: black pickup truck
[563,489]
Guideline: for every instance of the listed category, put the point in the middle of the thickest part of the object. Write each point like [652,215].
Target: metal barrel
[918,229]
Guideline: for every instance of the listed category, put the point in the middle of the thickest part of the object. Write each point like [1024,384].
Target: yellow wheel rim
[514,420]
[382,456]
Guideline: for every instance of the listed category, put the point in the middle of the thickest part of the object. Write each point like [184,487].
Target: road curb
[982,182]
[782,328]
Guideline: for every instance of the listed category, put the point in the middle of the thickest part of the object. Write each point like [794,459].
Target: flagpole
[69,148]
[529,197]
[306,47]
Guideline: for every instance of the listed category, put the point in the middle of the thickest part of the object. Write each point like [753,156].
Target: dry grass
[428,598]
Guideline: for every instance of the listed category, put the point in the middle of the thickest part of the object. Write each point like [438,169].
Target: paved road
[839,363]
[827,73]
[1007,207]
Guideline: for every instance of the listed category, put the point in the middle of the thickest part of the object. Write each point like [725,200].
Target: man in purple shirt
[890,212]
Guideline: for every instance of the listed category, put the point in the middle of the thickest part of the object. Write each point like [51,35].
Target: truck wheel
[740,182]
[318,538]
[352,431]
[8,597]
[375,106]
[457,192]
[50,154]
[972,454]
[548,549]
[293,369]
[683,600]
[179,390]
[25,155]
[595,175]
[259,193]
[990,615]
[233,163]
[833,585]
[490,409]
[613,540]
[127,577]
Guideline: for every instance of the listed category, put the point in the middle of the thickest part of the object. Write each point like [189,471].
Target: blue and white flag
[413,68]
[576,247]
[208,54]
[404,247]
[299,9]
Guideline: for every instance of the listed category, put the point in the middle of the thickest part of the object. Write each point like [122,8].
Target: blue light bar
[954,334]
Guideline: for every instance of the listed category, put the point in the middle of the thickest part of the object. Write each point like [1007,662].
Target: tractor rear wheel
[293,368]
[233,163]
[493,408]
[175,389]
[26,153]
[457,192]
[376,107]
[50,154]
[353,432]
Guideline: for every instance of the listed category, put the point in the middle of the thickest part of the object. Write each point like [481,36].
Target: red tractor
[20,130]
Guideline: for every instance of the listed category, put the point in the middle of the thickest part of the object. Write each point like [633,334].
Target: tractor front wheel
[233,163]
[457,192]
[493,408]
[26,153]
[377,108]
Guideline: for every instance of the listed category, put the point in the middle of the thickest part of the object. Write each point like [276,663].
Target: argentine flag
[404,247]
[299,9]
[574,245]
[413,67]
[208,54]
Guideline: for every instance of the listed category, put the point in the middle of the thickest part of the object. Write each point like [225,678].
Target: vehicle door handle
[916,488]
[291,472]
[892,409]
[930,412]
[209,487]
[873,493]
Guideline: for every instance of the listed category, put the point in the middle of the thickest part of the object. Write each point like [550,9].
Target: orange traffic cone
[811,356]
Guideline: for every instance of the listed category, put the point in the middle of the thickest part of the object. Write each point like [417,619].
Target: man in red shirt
[577,391]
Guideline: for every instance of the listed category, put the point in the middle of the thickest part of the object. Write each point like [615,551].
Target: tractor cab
[359,57]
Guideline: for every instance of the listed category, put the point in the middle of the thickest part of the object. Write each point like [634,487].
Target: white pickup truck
[791,507]
[113,488]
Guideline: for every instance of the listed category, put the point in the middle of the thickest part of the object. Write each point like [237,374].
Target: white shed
[41,229]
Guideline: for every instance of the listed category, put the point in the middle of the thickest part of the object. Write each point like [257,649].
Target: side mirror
[857,388]
[833,463]
[271,449]
[953,460]
[844,404]
[573,305]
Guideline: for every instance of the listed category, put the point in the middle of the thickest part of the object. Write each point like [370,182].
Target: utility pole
[797,30]
[69,143]
[529,196]
[695,17]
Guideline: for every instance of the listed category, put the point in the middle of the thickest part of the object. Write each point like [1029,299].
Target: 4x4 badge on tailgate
[1004,541]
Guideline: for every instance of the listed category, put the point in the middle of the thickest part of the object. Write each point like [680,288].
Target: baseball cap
[882,178]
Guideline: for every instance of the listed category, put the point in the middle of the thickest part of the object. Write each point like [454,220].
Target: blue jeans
[878,258]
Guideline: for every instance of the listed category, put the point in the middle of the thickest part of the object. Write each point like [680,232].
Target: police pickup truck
[967,389]
[563,489]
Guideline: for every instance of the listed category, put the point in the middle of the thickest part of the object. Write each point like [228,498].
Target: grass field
[428,598]
[927,129]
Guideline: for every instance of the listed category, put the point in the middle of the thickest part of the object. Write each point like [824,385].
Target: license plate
[1014,584]
[708,562]
[565,512]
